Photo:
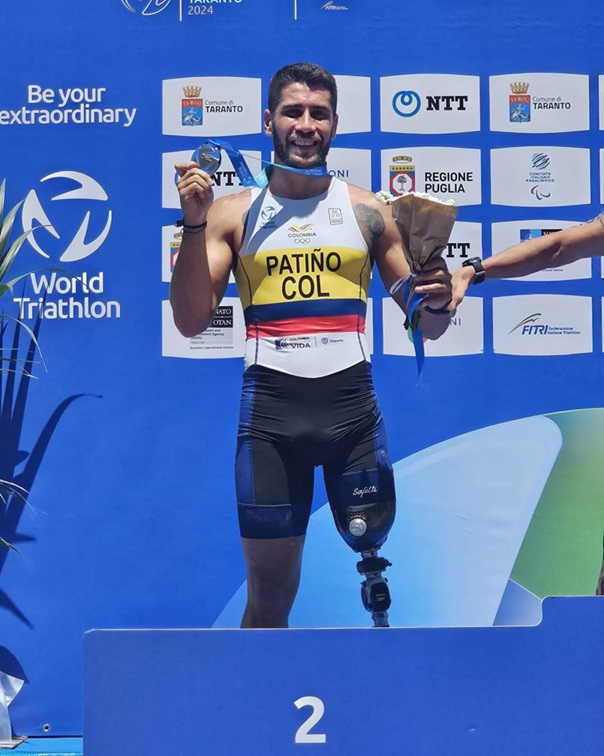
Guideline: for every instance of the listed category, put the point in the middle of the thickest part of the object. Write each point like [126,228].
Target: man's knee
[272,592]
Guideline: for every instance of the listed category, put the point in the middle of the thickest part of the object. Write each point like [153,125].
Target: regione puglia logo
[79,246]
[401,175]
[146,7]
[191,106]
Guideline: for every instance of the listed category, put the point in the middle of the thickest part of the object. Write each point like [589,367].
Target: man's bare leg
[273,577]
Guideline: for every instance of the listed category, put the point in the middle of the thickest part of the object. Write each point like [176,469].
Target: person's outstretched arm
[560,248]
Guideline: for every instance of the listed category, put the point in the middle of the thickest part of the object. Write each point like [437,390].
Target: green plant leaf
[2,193]
[8,545]
[6,226]
[7,259]
[30,333]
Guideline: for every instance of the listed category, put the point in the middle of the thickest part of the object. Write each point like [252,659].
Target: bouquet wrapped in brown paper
[424,223]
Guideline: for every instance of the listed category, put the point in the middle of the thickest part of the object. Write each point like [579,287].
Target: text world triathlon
[78,305]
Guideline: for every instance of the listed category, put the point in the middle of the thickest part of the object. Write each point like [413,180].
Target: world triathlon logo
[89,196]
[146,7]
[406,103]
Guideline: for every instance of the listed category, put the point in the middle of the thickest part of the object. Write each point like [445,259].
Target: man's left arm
[384,241]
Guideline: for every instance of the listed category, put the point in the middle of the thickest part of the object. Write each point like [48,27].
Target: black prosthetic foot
[375,594]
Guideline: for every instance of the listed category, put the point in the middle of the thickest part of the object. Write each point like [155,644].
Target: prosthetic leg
[365,528]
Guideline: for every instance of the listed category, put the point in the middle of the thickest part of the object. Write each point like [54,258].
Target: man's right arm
[560,248]
[201,273]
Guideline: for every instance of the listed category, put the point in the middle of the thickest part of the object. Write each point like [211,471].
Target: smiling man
[302,250]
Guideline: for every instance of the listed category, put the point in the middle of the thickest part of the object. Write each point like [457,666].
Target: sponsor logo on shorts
[362,491]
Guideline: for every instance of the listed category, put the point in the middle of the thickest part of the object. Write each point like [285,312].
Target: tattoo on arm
[370,222]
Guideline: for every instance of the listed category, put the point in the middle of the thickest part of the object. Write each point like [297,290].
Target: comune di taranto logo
[192,106]
[146,7]
[520,102]
[46,285]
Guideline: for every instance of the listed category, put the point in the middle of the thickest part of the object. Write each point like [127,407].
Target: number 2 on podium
[303,734]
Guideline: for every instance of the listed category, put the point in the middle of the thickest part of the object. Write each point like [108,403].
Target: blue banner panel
[125,438]
[459,691]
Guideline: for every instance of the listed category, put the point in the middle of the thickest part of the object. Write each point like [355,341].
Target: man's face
[302,126]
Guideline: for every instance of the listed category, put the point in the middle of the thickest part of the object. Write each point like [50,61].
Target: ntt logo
[406,103]
[146,7]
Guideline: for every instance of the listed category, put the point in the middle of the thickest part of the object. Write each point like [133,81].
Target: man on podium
[301,249]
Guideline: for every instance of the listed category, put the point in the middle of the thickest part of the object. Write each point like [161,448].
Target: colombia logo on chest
[301,234]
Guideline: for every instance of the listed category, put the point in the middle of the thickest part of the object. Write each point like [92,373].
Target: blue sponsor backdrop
[128,454]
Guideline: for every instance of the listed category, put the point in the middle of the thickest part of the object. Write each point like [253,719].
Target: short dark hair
[314,76]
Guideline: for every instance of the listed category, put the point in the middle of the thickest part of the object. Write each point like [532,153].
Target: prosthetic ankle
[365,528]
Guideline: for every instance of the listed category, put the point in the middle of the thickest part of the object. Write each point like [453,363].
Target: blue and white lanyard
[208,157]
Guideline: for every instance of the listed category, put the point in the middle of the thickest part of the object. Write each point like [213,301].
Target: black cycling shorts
[289,425]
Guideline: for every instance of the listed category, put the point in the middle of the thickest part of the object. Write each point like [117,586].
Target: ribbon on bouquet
[412,301]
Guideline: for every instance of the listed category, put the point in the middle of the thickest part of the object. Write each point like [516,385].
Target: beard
[284,151]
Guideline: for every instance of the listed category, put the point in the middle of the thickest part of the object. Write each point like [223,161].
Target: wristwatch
[479,271]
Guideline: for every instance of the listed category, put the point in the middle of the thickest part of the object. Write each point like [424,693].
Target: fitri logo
[34,215]
[149,7]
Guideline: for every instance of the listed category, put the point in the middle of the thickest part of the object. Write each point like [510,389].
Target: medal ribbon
[213,146]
